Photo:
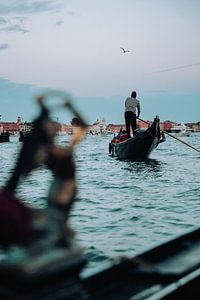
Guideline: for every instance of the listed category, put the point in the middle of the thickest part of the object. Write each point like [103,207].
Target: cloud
[58,23]
[176,68]
[3,21]
[4,47]
[72,13]
[13,13]
[14,27]
[28,6]
[12,24]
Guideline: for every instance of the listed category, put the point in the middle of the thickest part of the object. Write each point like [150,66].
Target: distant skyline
[76,46]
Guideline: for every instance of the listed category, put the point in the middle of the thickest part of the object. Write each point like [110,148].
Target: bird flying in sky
[124,51]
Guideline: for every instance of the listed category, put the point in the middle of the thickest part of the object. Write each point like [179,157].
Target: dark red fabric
[15,220]
[123,137]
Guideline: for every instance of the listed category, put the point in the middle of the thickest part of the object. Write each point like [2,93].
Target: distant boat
[61,133]
[22,135]
[4,137]
[180,130]
[140,145]
[99,128]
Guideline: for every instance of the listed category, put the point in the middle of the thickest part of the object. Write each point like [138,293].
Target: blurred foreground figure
[22,225]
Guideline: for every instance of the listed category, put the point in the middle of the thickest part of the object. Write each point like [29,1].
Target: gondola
[22,135]
[4,137]
[168,271]
[140,145]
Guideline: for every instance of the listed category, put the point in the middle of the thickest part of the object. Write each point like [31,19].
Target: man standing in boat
[132,104]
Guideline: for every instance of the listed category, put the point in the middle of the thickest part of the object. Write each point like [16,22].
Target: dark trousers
[130,120]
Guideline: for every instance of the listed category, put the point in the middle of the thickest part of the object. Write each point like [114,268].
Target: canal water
[122,207]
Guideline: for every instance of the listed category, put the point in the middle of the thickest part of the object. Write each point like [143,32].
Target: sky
[75,46]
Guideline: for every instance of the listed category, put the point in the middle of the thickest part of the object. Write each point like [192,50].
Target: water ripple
[122,207]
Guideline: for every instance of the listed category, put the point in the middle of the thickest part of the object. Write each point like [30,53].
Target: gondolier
[132,105]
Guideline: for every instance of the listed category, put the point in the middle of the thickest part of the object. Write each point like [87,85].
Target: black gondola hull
[168,271]
[140,146]
[136,148]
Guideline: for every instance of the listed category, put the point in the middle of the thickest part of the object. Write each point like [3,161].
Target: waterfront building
[96,128]
[10,127]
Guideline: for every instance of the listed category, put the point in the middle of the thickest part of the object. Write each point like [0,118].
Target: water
[123,207]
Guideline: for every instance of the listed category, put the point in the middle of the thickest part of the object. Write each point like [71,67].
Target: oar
[174,137]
